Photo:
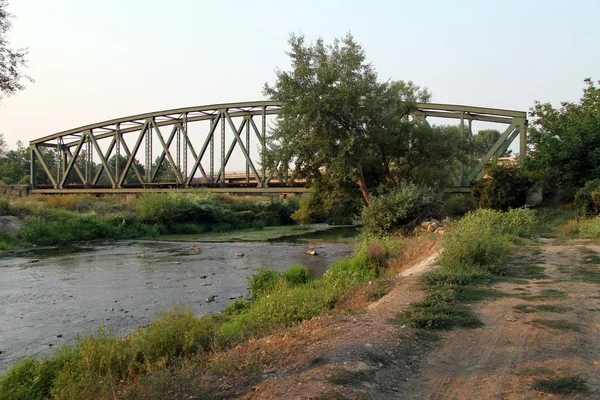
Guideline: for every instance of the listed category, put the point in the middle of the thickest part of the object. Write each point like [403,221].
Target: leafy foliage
[565,143]
[484,140]
[404,204]
[345,131]
[587,198]
[506,187]
[11,60]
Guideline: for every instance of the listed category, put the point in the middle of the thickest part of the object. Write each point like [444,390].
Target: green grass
[585,273]
[524,271]
[474,256]
[330,396]
[546,294]
[562,385]
[560,324]
[527,308]
[350,377]
[432,314]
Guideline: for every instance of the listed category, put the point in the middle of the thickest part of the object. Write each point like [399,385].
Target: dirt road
[547,328]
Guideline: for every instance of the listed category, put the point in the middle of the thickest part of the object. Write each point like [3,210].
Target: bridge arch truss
[196,144]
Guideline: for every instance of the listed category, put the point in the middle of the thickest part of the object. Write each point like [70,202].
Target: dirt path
[546,325]
[552,329]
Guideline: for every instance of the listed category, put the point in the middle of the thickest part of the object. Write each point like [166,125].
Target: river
[50,295]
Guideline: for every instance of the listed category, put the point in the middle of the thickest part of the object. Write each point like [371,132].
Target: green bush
[407,203]
[505,187]
[30,379]
[457,205]
[4,207]
[7,241]
[587,199]
[482,238]
[296,275]
[263,282]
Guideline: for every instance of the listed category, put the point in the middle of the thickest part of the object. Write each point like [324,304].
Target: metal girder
[96,137]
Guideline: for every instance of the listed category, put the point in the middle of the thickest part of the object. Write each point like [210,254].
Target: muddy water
[48,296]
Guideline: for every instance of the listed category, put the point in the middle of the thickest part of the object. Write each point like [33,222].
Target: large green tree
[339,126]
[484,140]
[564,143]
[11,60]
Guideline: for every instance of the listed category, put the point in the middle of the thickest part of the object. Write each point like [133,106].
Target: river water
[48,296]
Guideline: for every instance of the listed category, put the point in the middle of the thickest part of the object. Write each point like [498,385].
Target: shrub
[296,275]
[4,207]
[377,255]
[302,215]
[29,379]
[482,238]
[405,204]
[7,241]
[263,282]
[587,199]
[457,205]
[237,307]
[505,187]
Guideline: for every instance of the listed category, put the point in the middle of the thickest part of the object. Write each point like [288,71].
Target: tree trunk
[363,186]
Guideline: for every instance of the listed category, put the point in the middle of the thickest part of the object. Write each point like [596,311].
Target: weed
[527,271]
[564,385]
[558,324]
[588,274]
[349,377]
[296,275]
[434,314]
[379,360]
[552,308]
[547,294]
[330,396]
[526,308]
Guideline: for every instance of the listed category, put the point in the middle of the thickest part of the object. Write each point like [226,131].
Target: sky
[98,60]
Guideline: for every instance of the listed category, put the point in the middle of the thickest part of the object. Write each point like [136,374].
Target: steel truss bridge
[190,142]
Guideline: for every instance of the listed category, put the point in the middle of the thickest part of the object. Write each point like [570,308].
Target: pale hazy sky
[97,60]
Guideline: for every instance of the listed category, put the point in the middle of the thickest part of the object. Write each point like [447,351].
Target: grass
[330,396]
[527,308]
[585,273]
[562,385]
[560,324]
[546,294]
[517,272]
[474,256]
[349,377]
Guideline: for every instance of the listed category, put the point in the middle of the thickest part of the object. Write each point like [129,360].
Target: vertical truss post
[185,146]
[212,152]
[263,145]
[87,160]
[58,164]
[462,132]
[118,138]
[183,177]
[522,127]
[149,152]
[247,148]
[32,168]
[223,148]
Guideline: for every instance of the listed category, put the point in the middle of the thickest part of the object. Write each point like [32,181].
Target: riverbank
[48,296]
